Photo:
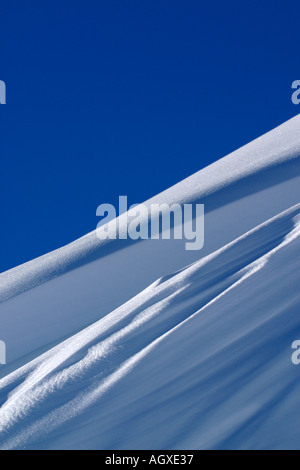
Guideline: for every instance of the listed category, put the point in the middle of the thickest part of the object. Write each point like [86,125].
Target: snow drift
[120,344]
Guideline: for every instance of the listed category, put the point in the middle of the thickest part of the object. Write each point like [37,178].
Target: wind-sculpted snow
[268,161]
[199,359]
[131,345]
[54,297]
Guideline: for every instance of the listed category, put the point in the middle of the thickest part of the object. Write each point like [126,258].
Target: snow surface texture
[118,345]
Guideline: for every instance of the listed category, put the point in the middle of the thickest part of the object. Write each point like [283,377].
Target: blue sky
[127,97]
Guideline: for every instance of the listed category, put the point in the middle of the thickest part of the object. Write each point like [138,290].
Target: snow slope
[145,345]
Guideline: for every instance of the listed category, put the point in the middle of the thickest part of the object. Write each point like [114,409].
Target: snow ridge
[120,344]
[271,159]
[104,356]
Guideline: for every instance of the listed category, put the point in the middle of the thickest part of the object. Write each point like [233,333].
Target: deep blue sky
[114,97]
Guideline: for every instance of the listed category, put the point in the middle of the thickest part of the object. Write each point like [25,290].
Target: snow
[120,344]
